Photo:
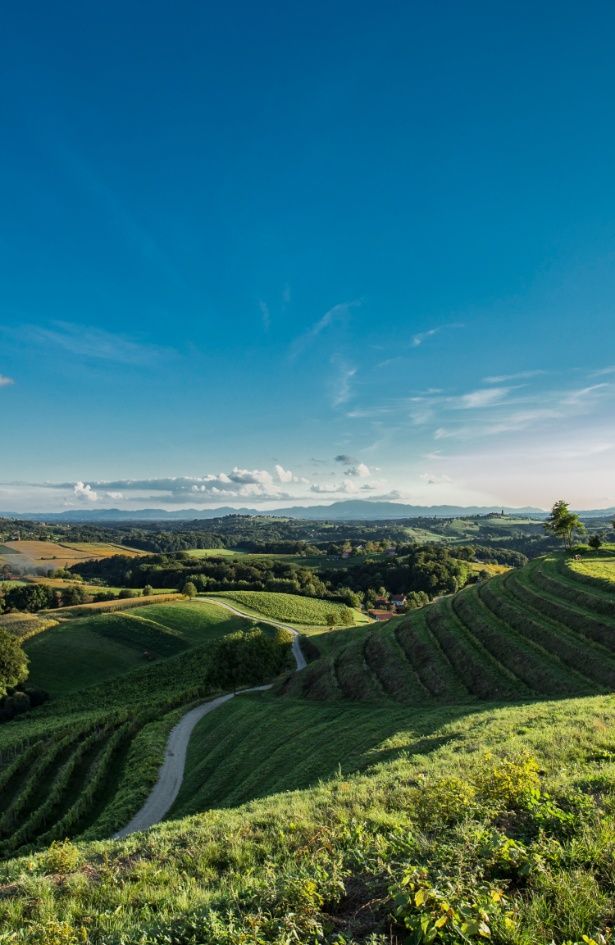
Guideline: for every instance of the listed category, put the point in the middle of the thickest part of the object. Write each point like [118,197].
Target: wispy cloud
[342,382]
[435,479]
[487,397]
[337,313]
[6,381]
[93,343]
[584,393]
[345,459]
[518,376]
[265,314]
[422,336]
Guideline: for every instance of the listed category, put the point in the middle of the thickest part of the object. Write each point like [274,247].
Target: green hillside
[533,633]
[86,760]
[292,607]
[446,777]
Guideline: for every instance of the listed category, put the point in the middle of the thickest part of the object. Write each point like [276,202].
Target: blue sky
[237,243]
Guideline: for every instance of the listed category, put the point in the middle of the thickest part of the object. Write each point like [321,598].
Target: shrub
[62,857]
[443,802]
[508,783]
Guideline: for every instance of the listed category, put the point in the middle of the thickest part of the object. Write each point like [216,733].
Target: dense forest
[434,569]
[273,535]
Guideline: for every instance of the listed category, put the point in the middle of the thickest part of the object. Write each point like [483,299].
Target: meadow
[86,760]
[446,777]
[507,844]
[293,608]
[598,567]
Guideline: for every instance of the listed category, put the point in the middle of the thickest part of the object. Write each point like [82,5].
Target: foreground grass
[498,825]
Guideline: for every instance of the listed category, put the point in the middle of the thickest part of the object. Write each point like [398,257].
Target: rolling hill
[446,777]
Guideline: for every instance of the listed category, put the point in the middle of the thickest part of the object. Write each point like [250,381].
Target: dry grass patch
[25,555]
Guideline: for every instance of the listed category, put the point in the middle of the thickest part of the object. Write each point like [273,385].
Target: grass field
[444,809]
[446,777]
[597,566]
[85,651]
[491,569]
[292,608]
[86,760]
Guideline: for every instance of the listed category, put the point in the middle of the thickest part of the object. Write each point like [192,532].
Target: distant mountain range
[348,510]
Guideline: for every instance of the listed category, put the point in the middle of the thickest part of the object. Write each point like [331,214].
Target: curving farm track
[171,773]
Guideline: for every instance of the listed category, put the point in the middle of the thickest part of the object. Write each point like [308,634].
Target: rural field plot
[27,556]
[292,608]
[598,566]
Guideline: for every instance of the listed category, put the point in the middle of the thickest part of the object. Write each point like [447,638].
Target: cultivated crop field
[526,634]
[292,608]
[29,555]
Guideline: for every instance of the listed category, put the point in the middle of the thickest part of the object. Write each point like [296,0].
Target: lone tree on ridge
[564,524]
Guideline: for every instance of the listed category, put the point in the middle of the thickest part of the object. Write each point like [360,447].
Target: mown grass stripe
[505,607]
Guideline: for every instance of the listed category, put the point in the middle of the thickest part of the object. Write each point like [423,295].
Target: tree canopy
[563,523]
[13,662]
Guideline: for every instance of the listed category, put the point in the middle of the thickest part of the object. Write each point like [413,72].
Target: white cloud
[341,388]
[578,396]
[435,479]
[83,491]
[360,470]
[519,376]
[348,487]
[286,475]
[252,476]
[483,398]
[6,381]
[421,336]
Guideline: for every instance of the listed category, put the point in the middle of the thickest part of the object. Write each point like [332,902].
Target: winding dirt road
[171,773]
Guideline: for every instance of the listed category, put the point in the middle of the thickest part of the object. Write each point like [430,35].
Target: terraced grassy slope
[533,633]
[420,792]
[86,760]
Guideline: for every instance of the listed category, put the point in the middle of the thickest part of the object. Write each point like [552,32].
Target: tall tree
[564,524]
[13,662]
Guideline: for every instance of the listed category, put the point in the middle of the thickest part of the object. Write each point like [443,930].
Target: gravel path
[171,774]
